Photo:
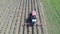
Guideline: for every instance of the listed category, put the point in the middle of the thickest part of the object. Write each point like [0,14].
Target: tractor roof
[33,12]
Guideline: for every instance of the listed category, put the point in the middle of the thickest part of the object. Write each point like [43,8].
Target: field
[14,15]
[52,14]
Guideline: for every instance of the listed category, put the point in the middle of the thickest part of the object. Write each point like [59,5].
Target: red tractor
[32,18]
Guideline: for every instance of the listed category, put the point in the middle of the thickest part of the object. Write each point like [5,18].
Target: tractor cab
[32,17]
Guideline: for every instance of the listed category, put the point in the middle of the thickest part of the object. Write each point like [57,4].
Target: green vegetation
[52,13]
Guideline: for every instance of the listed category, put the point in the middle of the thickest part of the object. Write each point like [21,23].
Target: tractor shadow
[28,21]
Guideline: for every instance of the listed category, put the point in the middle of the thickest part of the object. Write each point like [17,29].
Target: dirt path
[43,18]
